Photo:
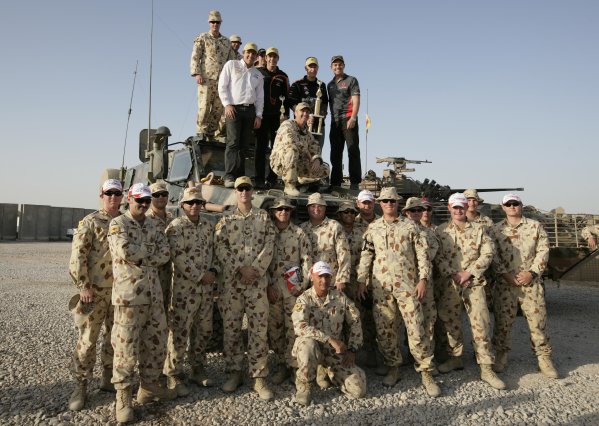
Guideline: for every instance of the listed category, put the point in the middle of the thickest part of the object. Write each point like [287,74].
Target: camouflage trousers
[210,108]
[531,299]
[289,164]
[387,307]
[165,275]
[310,353]
[366,316]
[84,357]
[237,299]
[450,309]
[138,337]
[429,311]
[189,319]
[280,327]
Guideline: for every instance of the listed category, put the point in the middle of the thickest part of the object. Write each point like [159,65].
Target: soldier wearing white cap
[365,202]
[522,254]
[90,268]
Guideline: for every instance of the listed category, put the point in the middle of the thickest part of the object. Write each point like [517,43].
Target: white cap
[139,190]
[511,197]
[458,199]
[112,184]
[365,195]
[322,268]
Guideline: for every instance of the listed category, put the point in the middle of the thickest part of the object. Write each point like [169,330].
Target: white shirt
[238,84]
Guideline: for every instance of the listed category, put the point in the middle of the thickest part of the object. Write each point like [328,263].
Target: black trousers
[338,136]
[239,136]
[265,139]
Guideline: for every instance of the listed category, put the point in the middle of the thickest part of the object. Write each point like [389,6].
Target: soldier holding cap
[472,214]
[244,243]
[322,317]
[241,90]
[522,254]
[305,89]
[296,156]
[465,252]
[276,85]
[190,310]
[138,248]
[211,50]
[288,276]
[90,268]
[365,203]
[236,44]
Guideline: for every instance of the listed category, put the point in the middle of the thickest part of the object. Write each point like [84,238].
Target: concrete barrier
[9,214]
[47,223]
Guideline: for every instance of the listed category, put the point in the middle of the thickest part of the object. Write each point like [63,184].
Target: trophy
[283,117]
[316,128]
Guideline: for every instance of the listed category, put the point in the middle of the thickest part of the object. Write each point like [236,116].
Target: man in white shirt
[240,88]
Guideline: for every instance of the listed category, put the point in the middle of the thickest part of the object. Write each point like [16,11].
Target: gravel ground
[37,336]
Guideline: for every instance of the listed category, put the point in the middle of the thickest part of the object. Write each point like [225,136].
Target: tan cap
[272,50]
[316,198]
[214,15]
[80,310]
[190,194]
[389,193]
[235,37]
[158,187]
[473,193]
[243,180]
[251,46]
[337,58]
[311,60]
[412,203]
[303,105]
[347,205]
[281,202]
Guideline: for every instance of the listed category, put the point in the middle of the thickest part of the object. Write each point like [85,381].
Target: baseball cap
[337,58]
[316,198]
[214,15]
[473,193]
[272,50]
[511,197]
[139,190]
[235,37]
[457,199]
[261,52]
[365,195]
[303,105]
[251,46]
[158,187]
[243,180]
[112,184]
[311,60]
[321,268]
[425,202]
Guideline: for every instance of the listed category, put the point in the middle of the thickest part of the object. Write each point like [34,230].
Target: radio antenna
[129,115]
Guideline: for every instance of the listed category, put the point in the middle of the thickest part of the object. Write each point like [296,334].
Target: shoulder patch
[81,224]
[297,307]
[114,229]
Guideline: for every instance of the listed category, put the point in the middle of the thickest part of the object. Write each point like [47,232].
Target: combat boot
[178,385]
[106,382]
[261,386]
[124,406]
[200,377]
[302,180]
[452,363]
[431,387]
[500,362]
[392,376]
[149,392]
[303,393]
[322,378]
[78,397]
[547,368]
[235,380]
[281,375]
[381,369]
[291,189]
[488,375]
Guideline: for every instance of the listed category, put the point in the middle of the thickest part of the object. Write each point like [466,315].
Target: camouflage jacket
[590,231]
[524,247]
[330,245]
[361,221]
[244,240]
[355,241]
[397,253]
[320,320]
[191,253]
[292,248]
[290,135]
[163,222]
[470,249]
[209,55]
[137,251]
[91,264]
[485,221]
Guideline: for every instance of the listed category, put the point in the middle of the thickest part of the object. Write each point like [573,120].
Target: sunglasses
[244,188]
[283,209]
[215,22]
[388,201]
[512,204]
[142,200]
[416,210]
[160,194]
[113,193]
[348,212]
[194,202]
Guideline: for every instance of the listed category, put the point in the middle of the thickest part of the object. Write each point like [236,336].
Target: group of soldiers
[316,294]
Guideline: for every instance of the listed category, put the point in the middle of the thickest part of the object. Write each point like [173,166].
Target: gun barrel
[488,189]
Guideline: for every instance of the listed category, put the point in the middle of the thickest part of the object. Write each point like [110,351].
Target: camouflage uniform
[208,57]
[524,247]
[245,240]
[483,220]
[190,311]
[361,221]
[292,248]
[165,272]
[330,245]
[590,231]
[91,267]
[429,308]
[293,151]
[470,249]
[139,333]
[397,253]
[315,321]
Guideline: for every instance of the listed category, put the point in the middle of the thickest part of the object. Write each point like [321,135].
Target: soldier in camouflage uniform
[296,156]
[211,50]
[319,317]
[138,248]
[397,253]
[365,203]
[522,254]
[472,213]
[465,252]
[190,311]
[590,233]
[235,45]
[91,271]
[244,243]
[293,249]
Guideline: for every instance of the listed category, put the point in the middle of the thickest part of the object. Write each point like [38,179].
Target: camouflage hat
[251,46]
[236,38]
[389,193]
[214,15]
[80,310]
[281,202]
[139,190]
[190,194]
[337,58]
[158,187]
[316,198]
[303,105]
[112,184]
[457,199]
[347,205]
[321,268]
[473,193]
[272,50]
[311,60]
[243,180]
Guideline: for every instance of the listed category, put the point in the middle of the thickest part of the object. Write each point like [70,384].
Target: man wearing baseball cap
[329,333]
[236,44]
[365,202]
[138,248]
[90,269]
[522,254]
[466,251]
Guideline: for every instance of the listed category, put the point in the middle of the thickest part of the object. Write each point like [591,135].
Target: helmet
[163,131]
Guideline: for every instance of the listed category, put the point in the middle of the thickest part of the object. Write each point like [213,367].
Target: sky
[493,93]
